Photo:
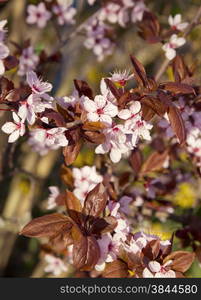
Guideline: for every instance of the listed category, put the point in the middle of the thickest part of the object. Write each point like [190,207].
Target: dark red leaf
[83,88]
[112,87]
[152,249]
[46,226]
[103,225]
[177,123]
[72,150]
[116,269]
[95,201]
[139,72]
[72,202]
[154,162]
[182,260]
[86,253]
[94,137]
[136,160]
[177,88]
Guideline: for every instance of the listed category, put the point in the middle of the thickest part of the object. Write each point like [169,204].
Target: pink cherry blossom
[130,112]
[110,13]
[85,179]
[54,265]
[14,129]
[138,128]
[54,193]
[155,269]
[138,11]
[43,140]
[115,143]
[121,77]
[65,12]
[105,91]
[28,61]
[38,14]
[176,24]
[109,248]
[69,101]
[97,38]
[30,107]
[174,43]
[37,85]
[100,109]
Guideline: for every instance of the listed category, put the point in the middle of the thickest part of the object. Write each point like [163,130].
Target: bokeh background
[24,175]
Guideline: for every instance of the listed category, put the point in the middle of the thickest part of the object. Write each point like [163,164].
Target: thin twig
[191,26]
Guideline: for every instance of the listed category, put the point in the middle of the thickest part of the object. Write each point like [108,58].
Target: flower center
[139,124]
[38,15]
[100,111]
[173,46]
[122,82]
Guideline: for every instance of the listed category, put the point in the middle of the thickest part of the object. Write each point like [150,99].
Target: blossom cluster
[122,12]
[98,32]
[40,14]
[4,51]
[28,61]
[175,41]
[98,38]
[122,128]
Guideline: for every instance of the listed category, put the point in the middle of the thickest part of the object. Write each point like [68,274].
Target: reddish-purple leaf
[154,162]
[182,260]
[112,87]
[73,149]
[95,201]
[177,123]
[116,269]
[72,202]
[103,225]
[46,226]
[155,104]
[83,88]
[139,72]
[86,253]
[177,88]
[152,249]
[94,137]
[136,160]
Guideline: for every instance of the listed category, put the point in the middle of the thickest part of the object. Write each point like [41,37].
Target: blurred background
[24,175]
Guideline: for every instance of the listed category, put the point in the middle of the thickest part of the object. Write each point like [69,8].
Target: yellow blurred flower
[159,230]
[155,229]
[185,196]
